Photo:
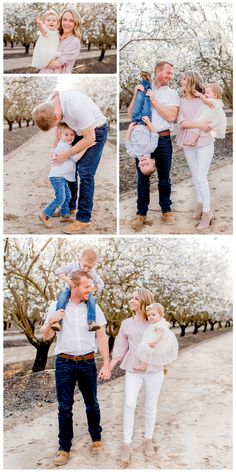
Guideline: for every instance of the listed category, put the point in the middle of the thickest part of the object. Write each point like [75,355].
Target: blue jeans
[142,104]
[68,373]
[163,159]
[86,168]
[91,304]
[62,197]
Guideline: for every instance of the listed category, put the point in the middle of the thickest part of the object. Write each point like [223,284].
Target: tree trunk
[41,357]
[183,328]
[12,44]
[195,331]
[27,123]
[89,46]
[111,341]
[26,46]
[205,327]
[10,123]
[5,43]
[102,55]
[174,323]
[19,124]
[212,325]
[220,325]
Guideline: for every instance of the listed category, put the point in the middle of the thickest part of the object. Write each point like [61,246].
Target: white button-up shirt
[167,97]
[75,338]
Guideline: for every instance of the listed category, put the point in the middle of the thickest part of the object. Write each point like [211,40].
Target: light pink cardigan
[68,52]
[126,342]
[189,108]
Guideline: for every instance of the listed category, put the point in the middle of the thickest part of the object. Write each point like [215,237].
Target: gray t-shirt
[142,142]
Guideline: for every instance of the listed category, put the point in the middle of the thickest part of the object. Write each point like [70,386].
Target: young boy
[86,262]
[59,177]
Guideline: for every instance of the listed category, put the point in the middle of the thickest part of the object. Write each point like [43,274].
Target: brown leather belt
[90,355]
[166,132]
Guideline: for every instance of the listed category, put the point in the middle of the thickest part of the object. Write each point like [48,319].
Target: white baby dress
[45,48]
[166,349]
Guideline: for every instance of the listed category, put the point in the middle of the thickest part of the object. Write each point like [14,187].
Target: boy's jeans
[62,197]
[142,104]
[91,304]
[86,168]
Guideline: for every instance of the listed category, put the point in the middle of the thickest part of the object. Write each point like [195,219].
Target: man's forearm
[166,113]
[103,347]
[131,106]
[47,331]
[82,145]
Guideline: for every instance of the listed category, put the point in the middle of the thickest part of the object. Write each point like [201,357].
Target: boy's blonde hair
[44,115]
[49,12]
[216,89]
[158,307]
[194,82]
[77,28]
[146,299]
[89,254]
[63,126]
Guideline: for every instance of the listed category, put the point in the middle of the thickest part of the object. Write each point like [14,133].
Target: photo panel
[60,38]
[32,192]
[176,71]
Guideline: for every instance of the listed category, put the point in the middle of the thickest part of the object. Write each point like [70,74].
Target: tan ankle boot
[148,448]
[197,214]
[206,220]
[126,453]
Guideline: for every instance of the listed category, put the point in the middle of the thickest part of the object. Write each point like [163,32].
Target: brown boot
[126,453]
[148,448]
[57,213]
[66,219]
[96,447]
[44,219]
[138,222]
[206,220]
[61,457]
[197,214]
[168,218]
[76,227]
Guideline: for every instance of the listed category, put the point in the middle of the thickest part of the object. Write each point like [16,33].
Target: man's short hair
[77,275]
[44,115]
[159,65]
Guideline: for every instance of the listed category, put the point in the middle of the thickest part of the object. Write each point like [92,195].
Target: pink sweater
[127,340]
[67,54]
[188,109]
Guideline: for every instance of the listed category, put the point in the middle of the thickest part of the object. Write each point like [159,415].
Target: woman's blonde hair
[44,115]
[194,82]
[157,307]
[146,298]
[77,31]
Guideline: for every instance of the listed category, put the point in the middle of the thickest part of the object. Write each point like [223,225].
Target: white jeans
[199,161]
[152,384]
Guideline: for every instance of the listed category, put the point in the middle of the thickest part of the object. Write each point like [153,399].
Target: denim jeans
[163,159]
[62,197]
[142,104]
[86,168]
[91,304]
[84,373]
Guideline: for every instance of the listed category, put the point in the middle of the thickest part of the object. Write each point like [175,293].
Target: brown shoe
[93,326]
[73,212]
[61,457]
[44,219]
[168,218]
[126,453]
[66,219]
[148,448]
[57,213]
[138,222]
[96,447]
[76,227]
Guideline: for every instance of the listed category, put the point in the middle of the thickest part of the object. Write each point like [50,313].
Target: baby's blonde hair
[158,307]
[49,12]
[216,89]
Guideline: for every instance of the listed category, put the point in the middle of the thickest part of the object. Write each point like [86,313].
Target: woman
[125,351]
[69,46]
[198,157]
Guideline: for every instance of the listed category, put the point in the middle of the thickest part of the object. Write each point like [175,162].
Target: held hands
[105,373]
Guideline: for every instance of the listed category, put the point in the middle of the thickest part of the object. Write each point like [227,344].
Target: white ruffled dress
[165,351]
[45,49]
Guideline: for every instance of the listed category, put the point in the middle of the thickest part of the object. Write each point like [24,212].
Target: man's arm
[131,106]
[167,113]
[46,329]
[102,340]
[65,278]
[87,141]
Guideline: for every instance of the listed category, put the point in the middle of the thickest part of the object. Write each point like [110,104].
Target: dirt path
[194,428]
[27,189]
[183,199]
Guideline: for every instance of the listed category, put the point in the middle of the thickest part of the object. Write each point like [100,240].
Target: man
[75,363]
[81,114]
[165,105]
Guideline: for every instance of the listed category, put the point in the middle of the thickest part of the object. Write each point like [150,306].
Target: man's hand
[150,94]
[146,120]
[137,88]
[105,373]
[59,315]
[59,158]
[131,126]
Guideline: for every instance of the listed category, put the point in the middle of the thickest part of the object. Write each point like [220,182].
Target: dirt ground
[27,189]
[194,420]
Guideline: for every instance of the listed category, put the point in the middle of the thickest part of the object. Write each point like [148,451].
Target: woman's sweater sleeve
[121,345]
[70,53]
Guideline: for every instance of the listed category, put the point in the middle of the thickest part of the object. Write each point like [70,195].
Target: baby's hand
[38,20]
[152,344]
[198,94]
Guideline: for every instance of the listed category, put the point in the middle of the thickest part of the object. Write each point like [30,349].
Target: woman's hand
[105,373]
[206,126]
[59,158]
